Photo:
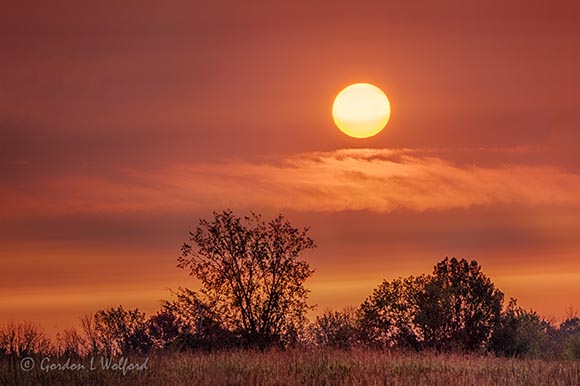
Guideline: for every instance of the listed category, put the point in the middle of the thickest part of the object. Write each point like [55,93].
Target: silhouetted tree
[164,330]
[251,274]
[338,329]
[198,325]
[570,326]
[90,333]
[459,306]
[563,341]
[456,307]
[387,317]
[573,347]
[71,343]
[23,339]
[519,333]
[120,331]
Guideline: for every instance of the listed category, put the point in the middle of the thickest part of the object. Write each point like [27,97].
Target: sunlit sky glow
[124,123]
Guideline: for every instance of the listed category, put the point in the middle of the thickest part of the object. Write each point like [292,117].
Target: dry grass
[316,367]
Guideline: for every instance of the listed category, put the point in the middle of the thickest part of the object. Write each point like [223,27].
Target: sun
[361,110]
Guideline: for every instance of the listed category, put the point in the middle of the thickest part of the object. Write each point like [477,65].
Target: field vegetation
[316,367]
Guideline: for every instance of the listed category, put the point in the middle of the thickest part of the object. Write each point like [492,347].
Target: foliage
[336,329]
[164,330]
[251,275]
[459,306]
[570,326]
[568,336]
[387,317]
[519,333]
[573,347]
[456,307]
[252,295]
[197,325]
[116,331]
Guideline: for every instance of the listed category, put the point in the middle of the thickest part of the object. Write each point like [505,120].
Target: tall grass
[310,367]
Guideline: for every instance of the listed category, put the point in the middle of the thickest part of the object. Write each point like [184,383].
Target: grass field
[300,367]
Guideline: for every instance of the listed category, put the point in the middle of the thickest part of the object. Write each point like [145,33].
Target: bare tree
[71,342]
[23,339]
[89,331]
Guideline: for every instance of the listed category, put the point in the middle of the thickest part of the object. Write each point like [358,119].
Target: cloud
[378,180]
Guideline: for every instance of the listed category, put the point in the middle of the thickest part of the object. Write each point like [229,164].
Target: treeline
[252,295]
[456,308]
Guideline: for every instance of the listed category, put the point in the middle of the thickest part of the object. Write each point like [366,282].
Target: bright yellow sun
[361,110]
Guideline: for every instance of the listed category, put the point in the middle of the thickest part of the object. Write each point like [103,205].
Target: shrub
[337,329]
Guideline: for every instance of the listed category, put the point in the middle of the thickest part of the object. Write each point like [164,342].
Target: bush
[337,329]
[519,333]
[573,347]
[387,317]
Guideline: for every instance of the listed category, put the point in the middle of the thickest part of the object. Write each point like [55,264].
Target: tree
[519,333]
[193,324]
[164,330]
[562,341]
[71,343]
[456,307]
[459,306]
[571,325]
[387,317]
[23,339]
[337,329]
[573,347]
[90,334]
[120,331]
[251,274]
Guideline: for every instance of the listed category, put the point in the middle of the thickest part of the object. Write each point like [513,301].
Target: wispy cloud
[379,180]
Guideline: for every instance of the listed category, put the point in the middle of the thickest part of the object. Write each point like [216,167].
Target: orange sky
[122,124]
